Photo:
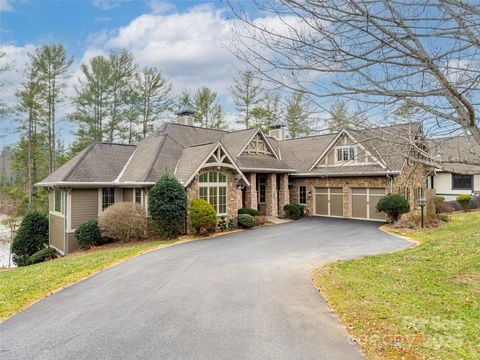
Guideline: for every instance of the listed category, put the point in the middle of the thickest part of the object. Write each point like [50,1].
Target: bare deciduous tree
[379,53]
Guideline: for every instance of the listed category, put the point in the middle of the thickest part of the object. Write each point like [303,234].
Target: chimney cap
[186,111]
[277,125]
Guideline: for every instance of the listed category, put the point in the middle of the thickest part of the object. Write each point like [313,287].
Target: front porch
[268,193]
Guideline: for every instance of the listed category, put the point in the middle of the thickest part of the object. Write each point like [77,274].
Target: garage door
[329,201]
[364,203]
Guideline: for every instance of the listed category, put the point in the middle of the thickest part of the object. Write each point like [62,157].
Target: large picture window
[462,182]
[302,195]
[108,197]
[213,188]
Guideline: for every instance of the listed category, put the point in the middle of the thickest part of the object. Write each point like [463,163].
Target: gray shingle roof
[456,147]
[181,149]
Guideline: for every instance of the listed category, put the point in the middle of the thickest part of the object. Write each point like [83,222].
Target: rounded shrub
[294,211]
[203,217]
[32,236]
[441,206]
[124,221]
[463,200]
[393,205]
[45,254]
[167,204]
[246,221]
[249,211]
[88,234]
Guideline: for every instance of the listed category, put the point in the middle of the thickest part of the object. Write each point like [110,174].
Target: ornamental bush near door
[203,217]
[294,211]
[32,236]
[246,221]
[167,205]
[249,211]
[463,200]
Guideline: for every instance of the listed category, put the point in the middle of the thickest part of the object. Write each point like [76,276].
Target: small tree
[203,217]
[394,206]
[32,236]
[167,204]
[463,200]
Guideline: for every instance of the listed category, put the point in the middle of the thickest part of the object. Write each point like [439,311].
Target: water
[4,243]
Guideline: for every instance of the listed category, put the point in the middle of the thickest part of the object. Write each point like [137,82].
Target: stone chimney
[185,116]
[277,130]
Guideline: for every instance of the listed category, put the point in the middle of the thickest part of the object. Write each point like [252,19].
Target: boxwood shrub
[203,217]
[249,211]
[394,205]
[246,221]
[45,254]
[463,200]
[294,211]
[88,234]
[32,236]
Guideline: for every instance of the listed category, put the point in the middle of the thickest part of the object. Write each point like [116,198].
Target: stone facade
[251,200]
[411,178]
[271,201]
[283,193]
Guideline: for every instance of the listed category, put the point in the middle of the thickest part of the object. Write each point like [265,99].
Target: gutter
[383,173]
[267,170]
[93,183]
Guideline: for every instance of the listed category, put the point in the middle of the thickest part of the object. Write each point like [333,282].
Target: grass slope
[22,286]
[419,303]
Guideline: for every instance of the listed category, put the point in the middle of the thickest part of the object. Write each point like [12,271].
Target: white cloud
[5,5]
[105,4]
[160,7]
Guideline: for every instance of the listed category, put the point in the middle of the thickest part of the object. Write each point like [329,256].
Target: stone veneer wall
[234,195]
[412,177]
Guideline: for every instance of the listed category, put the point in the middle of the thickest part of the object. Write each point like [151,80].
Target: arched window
[213,188]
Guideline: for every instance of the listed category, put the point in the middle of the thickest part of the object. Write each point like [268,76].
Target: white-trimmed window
[302,195]
[345,153]
[108,197]
[213,188]
[138,196]
[57,200]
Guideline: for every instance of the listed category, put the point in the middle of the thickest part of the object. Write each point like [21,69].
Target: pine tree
[247,95]
[297,116]
[207,110]
[152,93]
[51,63]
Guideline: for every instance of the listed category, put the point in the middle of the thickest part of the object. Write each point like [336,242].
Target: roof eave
[382,173]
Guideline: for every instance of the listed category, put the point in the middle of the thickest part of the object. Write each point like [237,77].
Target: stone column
[283,194]
[271,196]
[251,191]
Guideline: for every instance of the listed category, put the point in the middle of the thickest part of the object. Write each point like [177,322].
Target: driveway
[247,295]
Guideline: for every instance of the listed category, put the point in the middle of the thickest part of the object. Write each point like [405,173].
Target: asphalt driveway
[246,295]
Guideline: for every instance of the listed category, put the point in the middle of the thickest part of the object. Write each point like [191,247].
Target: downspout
[65,235]
[390,183]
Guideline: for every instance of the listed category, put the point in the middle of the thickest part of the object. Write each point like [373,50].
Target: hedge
[246,221]
[203,217]
[249,211]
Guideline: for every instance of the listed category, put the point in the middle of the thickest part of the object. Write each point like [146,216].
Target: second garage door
[329,201]
[364,203]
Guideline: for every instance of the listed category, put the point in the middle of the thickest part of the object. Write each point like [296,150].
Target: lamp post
[422,202]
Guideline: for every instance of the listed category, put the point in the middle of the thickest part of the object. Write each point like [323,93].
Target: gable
[219,158]
[258,145]
[346,150]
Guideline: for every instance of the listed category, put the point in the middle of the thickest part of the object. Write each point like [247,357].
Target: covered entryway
[364,203]
[329,201]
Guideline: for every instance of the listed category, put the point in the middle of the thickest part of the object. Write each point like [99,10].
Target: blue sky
[187,40]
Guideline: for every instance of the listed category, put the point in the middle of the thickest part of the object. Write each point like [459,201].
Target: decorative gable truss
[258,145]
[346,150]
[219,158]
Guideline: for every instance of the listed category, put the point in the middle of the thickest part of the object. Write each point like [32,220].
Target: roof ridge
[197,127]
[80,158]
[150,166]
[109,143]
[310,137]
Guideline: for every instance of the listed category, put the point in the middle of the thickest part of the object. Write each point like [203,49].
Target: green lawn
[420,303]
[22,286]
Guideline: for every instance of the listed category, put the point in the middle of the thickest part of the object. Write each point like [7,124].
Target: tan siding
[128,195]
[84,206]
[56,229]
[72,244]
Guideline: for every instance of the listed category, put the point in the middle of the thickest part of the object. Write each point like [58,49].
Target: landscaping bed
[419,303]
